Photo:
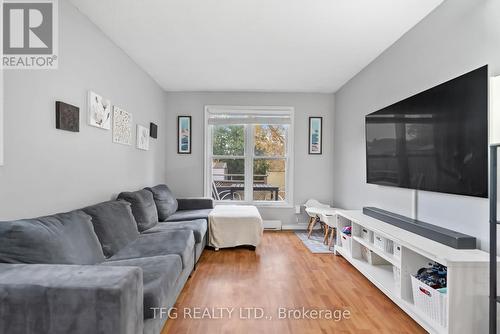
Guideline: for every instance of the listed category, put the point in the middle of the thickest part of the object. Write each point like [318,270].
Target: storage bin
[430,302]
[379,241]
[383,243]
[346,242]
[397,250]
[372,257]
[366,235]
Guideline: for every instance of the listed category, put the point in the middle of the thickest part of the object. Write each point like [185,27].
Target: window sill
[277,205]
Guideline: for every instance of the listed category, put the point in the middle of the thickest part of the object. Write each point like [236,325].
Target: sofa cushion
[160,274]
[143,208]
[180,242]
[114,225]
[166,204]
[184,215]
[195,203]
[198,226]
[64,238]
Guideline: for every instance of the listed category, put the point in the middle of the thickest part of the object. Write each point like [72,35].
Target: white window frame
[249,152]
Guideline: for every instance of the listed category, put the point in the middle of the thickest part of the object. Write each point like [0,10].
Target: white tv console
[467,275]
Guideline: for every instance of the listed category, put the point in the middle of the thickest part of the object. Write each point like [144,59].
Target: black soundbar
[439,234]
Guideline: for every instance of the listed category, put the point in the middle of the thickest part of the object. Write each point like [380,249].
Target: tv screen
[436,140]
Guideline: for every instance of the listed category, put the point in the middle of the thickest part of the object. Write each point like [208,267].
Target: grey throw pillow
[165,201]
[143,208]
[65,238]
[114,225]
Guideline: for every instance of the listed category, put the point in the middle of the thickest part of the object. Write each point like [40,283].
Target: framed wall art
[99,111]
[142,137]
[184,134]
[122,126]
[315,135]
[67,117]
[153,130]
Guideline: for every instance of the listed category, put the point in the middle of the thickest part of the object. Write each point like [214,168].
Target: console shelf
[466,300]
[389,258]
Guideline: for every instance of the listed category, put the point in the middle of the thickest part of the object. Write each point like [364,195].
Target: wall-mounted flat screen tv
[436,140]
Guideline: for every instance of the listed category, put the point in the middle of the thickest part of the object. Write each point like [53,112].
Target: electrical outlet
[297,209]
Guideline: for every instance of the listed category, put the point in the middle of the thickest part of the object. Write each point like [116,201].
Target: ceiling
[254,45]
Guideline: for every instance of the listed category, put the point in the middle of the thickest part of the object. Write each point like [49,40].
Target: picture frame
[153,130]
[184,134]
[122,126]
[315,135]
[142,138]
[67,117]
[99,111]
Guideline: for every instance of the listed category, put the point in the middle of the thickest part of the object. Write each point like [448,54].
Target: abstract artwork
[184,134]
[142,137]
[67,117]
[122,126]
[315,135]
[99,111]
[153,130]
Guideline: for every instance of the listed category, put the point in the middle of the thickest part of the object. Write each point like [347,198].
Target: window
[248,154]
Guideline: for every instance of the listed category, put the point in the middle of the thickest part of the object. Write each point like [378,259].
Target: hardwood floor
[282,273]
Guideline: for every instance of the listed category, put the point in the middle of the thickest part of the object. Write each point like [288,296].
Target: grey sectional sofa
[105,268]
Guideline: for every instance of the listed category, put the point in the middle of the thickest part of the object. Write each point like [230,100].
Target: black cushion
[143,208]
[160,273]
[195,203]
[114,225]
[64,238]
[166,204]
[198,226]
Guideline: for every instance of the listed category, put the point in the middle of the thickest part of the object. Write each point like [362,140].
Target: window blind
[272,117]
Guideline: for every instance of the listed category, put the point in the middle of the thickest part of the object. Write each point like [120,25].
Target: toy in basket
[347,230]
[429,292]
[345,238]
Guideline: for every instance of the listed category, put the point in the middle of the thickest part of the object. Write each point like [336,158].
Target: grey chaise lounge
[157,210]
[91,271]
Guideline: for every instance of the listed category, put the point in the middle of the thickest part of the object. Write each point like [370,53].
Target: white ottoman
[234,225]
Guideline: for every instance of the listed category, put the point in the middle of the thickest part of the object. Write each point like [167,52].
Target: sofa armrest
[57,299]
[195,203]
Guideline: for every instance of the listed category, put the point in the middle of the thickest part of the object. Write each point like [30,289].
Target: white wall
[313,174]
[48,170]
[1,91]
[457,37]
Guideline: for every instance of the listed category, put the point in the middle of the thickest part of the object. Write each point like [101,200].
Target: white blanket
[234,225]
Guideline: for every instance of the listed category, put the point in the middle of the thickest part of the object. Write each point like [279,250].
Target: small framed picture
[99,111]
[142,138]
[315,135]
[153,130]
[67,117]
[184,134]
